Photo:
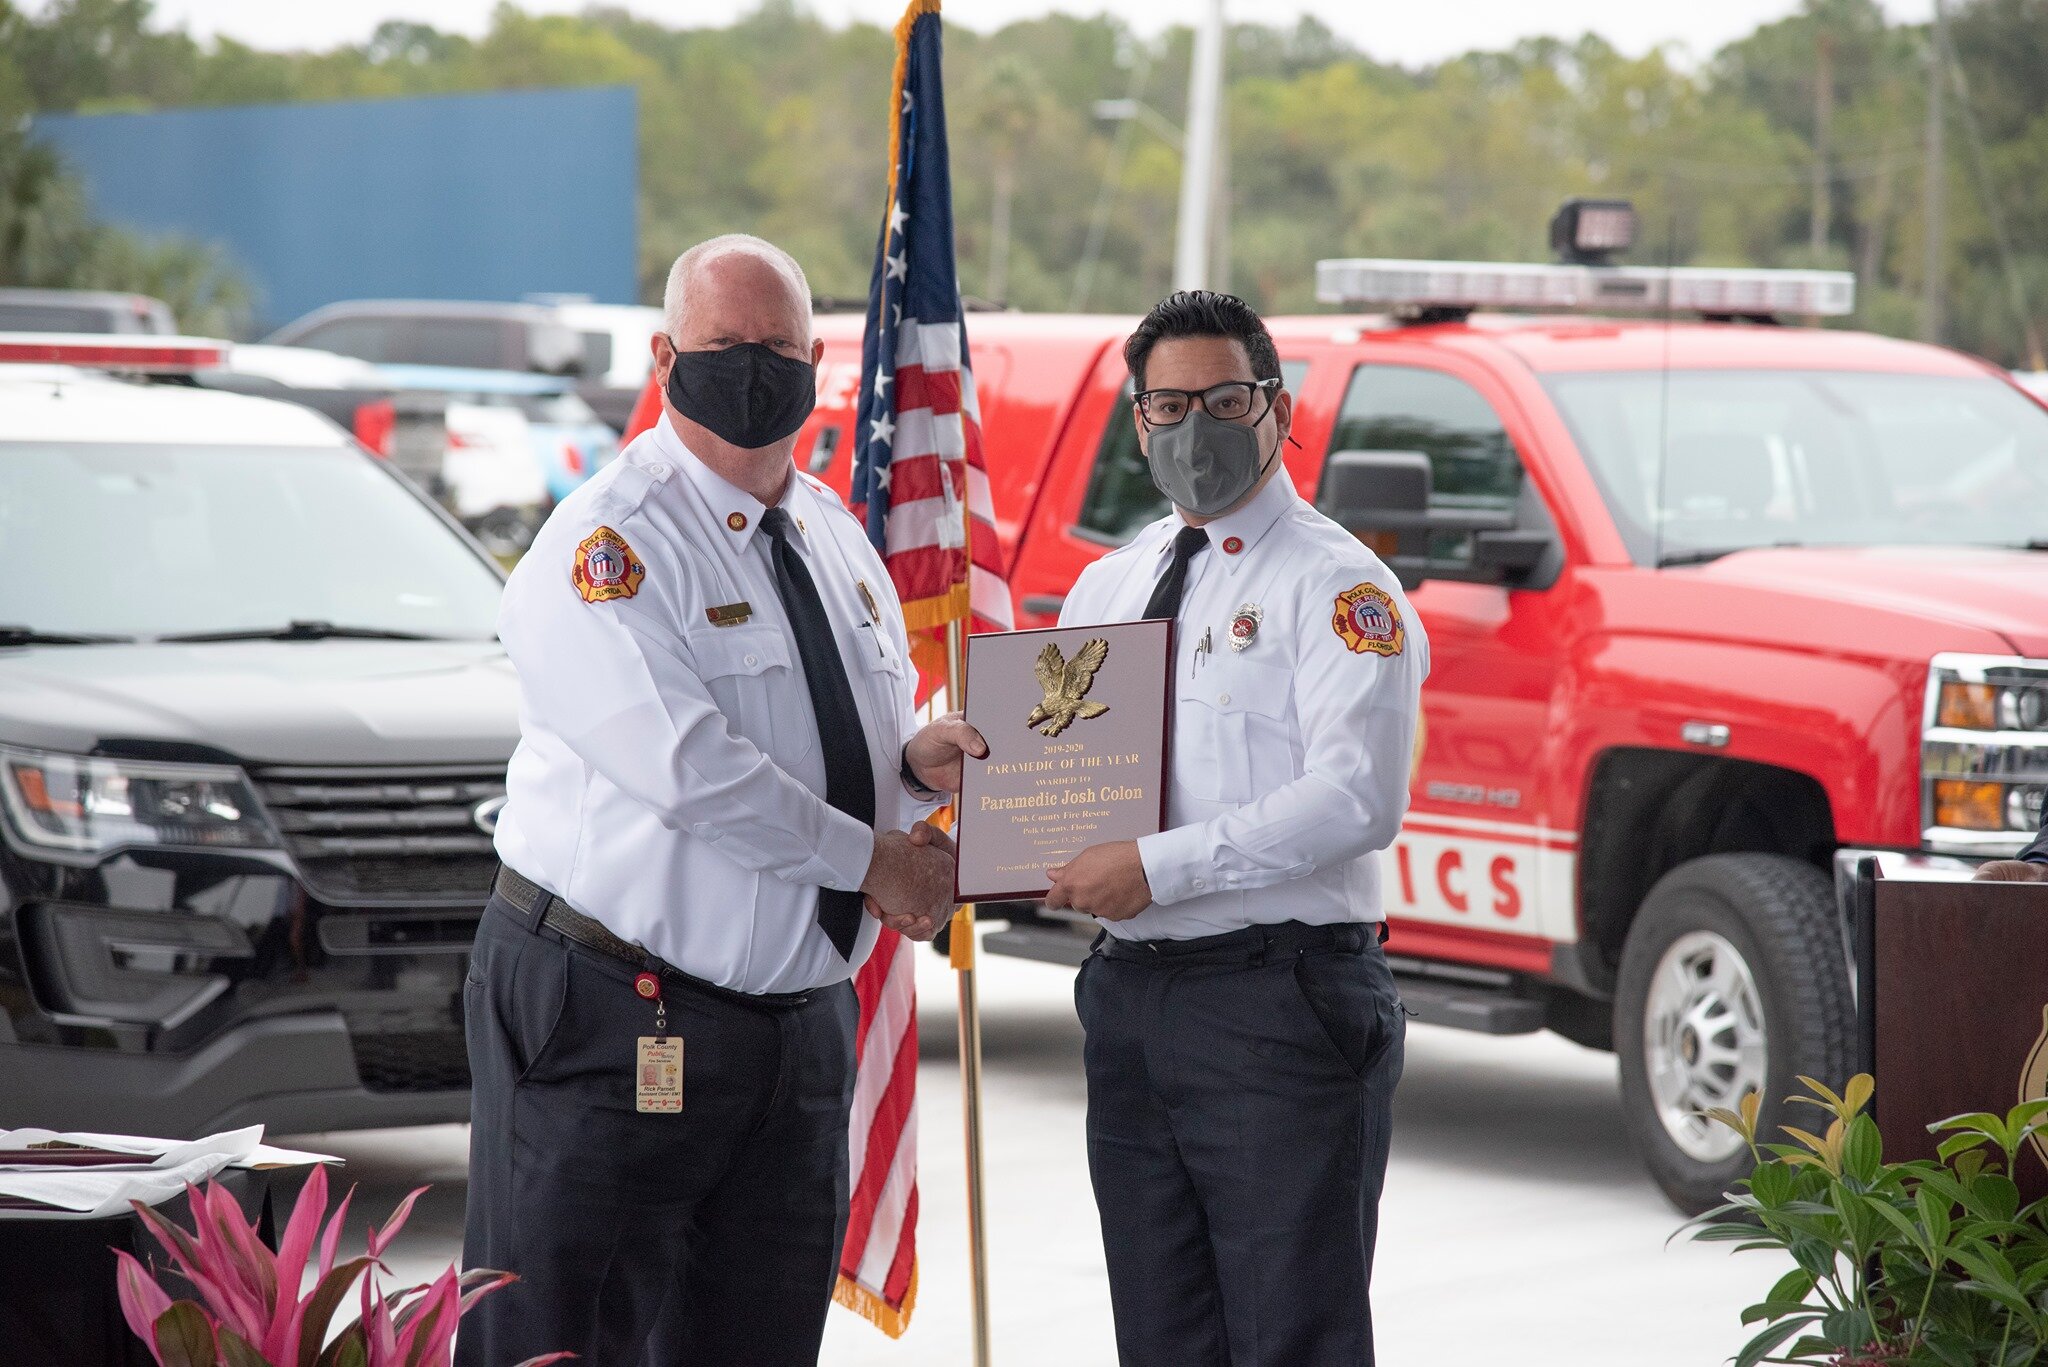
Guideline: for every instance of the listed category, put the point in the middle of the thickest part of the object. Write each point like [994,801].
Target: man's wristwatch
[910,781]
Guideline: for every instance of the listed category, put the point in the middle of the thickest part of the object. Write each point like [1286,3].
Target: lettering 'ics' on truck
[1718,607]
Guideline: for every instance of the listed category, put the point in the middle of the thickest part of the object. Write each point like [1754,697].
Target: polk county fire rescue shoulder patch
[606,567]
[1366,619]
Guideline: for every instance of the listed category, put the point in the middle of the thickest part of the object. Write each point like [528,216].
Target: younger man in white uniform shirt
[1243,1031]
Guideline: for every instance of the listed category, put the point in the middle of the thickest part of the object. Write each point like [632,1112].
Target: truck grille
[413,1061]
[385,835]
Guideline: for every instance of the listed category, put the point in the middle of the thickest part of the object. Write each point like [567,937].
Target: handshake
[909,887]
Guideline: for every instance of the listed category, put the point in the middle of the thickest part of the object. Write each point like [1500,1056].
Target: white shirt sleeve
[616,684]
[910,808]
[1357,714]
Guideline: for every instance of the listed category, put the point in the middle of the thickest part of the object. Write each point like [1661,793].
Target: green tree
[1799,144]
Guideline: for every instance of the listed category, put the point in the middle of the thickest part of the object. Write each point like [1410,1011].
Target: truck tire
[1733,979]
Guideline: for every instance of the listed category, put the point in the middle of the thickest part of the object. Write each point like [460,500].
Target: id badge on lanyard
[658,1066]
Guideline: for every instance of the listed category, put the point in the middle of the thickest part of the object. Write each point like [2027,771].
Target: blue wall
[446,197]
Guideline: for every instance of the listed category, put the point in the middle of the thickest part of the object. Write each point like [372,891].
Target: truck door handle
[1044,604]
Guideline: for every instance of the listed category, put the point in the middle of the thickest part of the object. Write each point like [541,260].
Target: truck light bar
[155,355]
[1410,286]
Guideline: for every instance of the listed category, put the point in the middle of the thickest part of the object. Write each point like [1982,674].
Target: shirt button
[657,469]
[1201,883]
[1223,698]
[753,660]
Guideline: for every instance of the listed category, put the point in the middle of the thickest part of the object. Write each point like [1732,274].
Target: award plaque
[1075,719]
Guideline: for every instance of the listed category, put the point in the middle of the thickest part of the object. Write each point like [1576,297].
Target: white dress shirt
[1290,757]
[669,780]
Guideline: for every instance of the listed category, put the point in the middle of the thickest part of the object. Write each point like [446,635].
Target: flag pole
[961,952]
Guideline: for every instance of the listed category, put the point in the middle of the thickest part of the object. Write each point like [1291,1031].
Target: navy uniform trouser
[1239,1109]
[705,1239]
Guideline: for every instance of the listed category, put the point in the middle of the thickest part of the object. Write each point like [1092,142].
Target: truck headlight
[1984,753]
[90,805]
[1992,707]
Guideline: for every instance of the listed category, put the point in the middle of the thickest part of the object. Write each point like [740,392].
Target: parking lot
[1517,1225]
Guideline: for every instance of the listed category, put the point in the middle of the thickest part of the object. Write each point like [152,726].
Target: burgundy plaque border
[1957,999]
[960,896]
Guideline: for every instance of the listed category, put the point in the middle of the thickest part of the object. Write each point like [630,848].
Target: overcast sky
[1390,30]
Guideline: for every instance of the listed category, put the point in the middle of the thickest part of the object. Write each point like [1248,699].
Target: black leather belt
[1249,947]
[547,910]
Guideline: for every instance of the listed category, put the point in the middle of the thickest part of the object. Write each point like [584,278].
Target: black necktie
[849,776]
[1166,594]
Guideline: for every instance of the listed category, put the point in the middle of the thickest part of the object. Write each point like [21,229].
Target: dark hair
[1203,313]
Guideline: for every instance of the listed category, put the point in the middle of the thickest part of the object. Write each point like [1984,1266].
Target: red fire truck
[1717,606]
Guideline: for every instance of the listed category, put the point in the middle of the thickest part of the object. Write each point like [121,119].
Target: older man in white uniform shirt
[708,814]
[1243,1032]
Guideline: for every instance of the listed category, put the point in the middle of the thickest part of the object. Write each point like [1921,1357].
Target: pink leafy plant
[251,1311]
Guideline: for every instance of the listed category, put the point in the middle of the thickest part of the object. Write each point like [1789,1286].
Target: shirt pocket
[749,674]
[1230,731]
[886,665]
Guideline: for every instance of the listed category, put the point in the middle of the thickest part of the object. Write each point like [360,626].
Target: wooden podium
[1952,1005]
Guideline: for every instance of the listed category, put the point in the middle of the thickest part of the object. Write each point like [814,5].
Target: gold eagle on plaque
[1066,684]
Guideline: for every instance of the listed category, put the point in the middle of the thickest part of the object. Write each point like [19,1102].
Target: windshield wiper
[1697,557]
[29,636]
[1701,557]
[298,631]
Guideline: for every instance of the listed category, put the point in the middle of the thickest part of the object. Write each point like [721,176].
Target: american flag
[921,485]
[920,476]
[878,1262]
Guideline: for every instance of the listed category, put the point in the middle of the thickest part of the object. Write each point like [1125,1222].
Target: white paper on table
[161,1170]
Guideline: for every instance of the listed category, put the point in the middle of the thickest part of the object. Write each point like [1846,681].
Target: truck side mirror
[1382,498]
[1379,488]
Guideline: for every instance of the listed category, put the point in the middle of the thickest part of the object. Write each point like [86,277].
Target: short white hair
[675,298]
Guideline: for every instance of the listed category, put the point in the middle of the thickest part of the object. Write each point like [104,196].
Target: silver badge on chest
[1244,625]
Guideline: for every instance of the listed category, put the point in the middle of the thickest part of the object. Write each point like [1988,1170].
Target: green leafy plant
[254,1309]
[1906,1264]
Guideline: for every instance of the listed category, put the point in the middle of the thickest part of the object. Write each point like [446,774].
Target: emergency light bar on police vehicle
[149,355]
[1408,286]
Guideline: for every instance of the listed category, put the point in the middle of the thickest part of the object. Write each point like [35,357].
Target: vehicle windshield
[1816,457]
[143,541]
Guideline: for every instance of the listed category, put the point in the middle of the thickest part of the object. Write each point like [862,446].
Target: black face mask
[745,394]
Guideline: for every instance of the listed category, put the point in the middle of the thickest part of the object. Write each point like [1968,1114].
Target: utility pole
[1936,185]
[1219,206]
[1198,162]
[1823,134]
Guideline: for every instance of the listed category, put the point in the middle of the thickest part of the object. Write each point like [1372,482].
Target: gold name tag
[658,1076]
[731,615]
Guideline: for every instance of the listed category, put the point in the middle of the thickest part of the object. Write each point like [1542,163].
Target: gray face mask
[1204,465]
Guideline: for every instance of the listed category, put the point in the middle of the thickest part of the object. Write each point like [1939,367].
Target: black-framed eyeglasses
[1231,401]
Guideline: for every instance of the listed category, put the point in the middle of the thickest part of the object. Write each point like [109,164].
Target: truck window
[475,343]
[1473,465]
[363,338]
[1404,408]
[56,318]
[1121,496]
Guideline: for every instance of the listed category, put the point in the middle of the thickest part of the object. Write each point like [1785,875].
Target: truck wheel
[1733,980]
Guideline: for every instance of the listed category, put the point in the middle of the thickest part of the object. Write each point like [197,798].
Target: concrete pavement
[1517,1225]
